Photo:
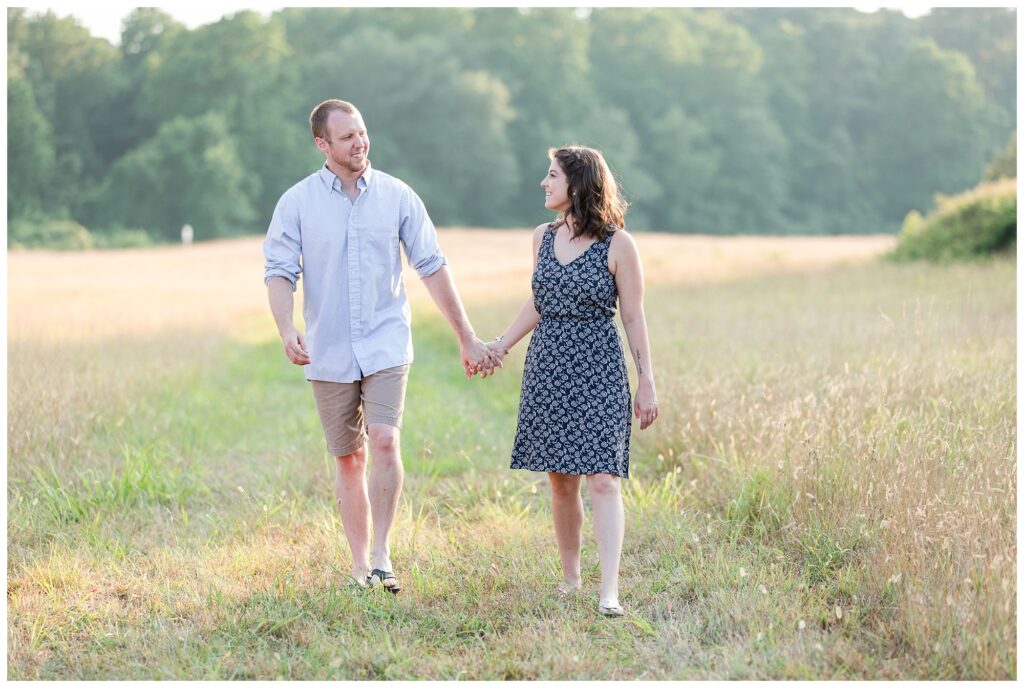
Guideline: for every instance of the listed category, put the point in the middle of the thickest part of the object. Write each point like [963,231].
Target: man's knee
[383,440]
[354,462]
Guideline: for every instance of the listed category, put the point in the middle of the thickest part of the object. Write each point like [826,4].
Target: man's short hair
[318,118]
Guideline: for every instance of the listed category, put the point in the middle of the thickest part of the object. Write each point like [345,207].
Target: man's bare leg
[386,476]
[354,505]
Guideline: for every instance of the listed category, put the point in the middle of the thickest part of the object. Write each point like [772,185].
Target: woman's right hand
[498,349]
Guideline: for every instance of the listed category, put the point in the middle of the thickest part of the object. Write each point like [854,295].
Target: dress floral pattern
[575,404]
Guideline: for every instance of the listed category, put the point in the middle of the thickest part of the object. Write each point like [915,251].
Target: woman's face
[556,188]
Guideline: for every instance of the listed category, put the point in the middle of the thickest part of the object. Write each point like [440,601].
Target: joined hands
[481,359]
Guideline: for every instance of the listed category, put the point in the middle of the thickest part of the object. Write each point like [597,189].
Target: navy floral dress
[575,405]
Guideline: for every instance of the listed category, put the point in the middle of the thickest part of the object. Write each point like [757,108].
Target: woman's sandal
[385,578]
[611,610]
[567,589]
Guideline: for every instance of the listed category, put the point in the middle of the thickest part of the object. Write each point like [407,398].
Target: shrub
[973,224]
[1005,162]
[123,238]
[49,233]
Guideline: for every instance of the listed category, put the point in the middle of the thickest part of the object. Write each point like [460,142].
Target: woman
[574,410]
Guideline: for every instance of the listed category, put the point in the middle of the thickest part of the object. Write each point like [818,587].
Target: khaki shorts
[347,408]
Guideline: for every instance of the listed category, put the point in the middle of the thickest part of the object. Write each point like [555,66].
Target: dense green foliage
[972,224]
[53,234]
[183,174]
[716,121]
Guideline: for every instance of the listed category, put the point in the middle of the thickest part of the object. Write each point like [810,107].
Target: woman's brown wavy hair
[596,206]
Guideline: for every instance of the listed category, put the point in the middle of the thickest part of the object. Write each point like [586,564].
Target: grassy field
[830,491]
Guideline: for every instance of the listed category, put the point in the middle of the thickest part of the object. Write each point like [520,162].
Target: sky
[104,19]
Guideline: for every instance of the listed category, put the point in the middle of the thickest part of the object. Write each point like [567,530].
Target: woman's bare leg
[567,509]
[609,528]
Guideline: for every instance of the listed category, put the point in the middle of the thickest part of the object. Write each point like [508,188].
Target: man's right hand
[295,347]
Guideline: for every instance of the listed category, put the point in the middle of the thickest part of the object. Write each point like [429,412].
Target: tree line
[715,121]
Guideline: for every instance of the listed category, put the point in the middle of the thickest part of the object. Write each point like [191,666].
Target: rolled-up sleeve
[283,245]
[419,236]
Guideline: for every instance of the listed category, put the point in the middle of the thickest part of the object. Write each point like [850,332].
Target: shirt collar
[334,183]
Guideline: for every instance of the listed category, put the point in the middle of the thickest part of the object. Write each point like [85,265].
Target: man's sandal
[356,583]
[385,578]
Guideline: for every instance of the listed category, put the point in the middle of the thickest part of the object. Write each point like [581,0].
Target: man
[341,228]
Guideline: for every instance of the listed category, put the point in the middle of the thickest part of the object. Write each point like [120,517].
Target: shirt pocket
[381,244]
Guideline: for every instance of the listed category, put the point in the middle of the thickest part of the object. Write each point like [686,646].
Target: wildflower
[802,625]
[743,572]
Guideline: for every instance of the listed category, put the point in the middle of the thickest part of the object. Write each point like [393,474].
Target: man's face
[347,143]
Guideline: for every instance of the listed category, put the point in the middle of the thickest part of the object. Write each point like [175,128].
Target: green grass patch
[146,476]
[760,509]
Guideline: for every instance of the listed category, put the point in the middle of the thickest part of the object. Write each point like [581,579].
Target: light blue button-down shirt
[358,319]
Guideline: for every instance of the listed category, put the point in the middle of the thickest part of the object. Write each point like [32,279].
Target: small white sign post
[186,234]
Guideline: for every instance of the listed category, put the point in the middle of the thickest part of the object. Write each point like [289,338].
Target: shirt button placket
[354,283]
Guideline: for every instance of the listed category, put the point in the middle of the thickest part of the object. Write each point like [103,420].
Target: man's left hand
[477,358]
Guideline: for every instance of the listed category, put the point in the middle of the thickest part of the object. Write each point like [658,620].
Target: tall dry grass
[866,423]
